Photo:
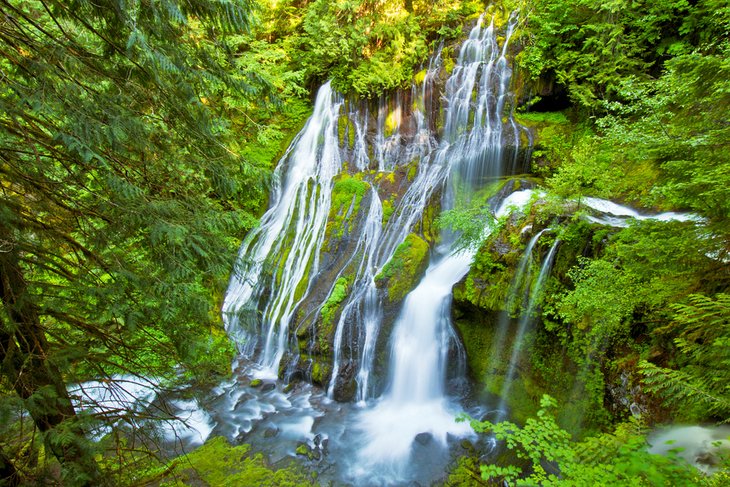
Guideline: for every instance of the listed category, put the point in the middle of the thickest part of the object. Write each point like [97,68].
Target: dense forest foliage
[137,143]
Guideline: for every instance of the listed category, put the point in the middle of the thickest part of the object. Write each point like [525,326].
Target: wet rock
[256,383]
[302,449]
[345,385]
[467,445]
[242,400]
[268,387]
[424,438]
[315,455]
[317,440]
[271,432]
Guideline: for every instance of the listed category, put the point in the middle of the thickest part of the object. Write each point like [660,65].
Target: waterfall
[276,255]
[527,318]
[414,402]
[518,288]
[286,278]
[279,261]
[363,308]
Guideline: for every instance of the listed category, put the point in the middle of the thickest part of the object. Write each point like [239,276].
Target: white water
[527,318]
[277,254]
[271,277]
[130,398]
[363,309]
[518,287]
[414,402]
[701,446]
[616,215]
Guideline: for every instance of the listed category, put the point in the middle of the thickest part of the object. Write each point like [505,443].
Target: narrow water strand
[527,318]
[519,285]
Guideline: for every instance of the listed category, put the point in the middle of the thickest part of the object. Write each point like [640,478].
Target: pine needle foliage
[123,195]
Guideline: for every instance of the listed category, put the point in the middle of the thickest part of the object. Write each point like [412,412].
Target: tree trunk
[24,356]
[8,474]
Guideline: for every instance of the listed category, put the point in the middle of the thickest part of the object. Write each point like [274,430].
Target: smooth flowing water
[517,294]
[413,421]
[527,319]
[415,406]
[361,315]
[277,254]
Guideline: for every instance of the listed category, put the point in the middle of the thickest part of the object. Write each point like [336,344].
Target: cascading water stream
[527,318]
[520,286]
[277,254]
[363,308]
[281,258]
[414,402]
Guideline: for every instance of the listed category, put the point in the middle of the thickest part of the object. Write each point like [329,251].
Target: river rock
[424,438]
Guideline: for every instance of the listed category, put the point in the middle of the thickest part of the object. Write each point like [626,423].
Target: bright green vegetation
[347,194]
[552,458]
[400,275]
[125,194]
[644,121]
[338,294]
[367,47]
[219,463]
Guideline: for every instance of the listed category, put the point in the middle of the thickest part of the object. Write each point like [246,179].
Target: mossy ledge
[400,275]
[218,462]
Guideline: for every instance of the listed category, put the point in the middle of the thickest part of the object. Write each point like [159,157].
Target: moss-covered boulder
[217,462]
[347,195]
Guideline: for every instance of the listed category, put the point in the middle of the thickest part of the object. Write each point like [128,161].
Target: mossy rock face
[402,272]
[328,315]
[480,310]
[347,195]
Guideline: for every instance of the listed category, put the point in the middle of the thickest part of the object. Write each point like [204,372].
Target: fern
[702,326]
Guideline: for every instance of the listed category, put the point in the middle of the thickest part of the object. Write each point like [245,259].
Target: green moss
[428,228]
[320,372]
[328,313]
[221,464]
[388,210]
[412,171]
[449,63]
[338,294]
[392,121]
[342,123]
[347,194]
[534,118]
[477,338]
[351,136]
[466,473]
[256,383]
[403,270]
[270,144]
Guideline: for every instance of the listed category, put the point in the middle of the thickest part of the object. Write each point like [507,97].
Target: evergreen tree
[120,194]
